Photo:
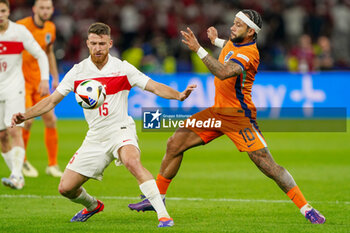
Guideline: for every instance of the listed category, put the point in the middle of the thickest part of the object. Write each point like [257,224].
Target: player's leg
[6,148]
[28,169]
[130,157]
[180,141]
[264,161]
[14,136]
[4,138]
[247,137]
[71,187]
[51,142]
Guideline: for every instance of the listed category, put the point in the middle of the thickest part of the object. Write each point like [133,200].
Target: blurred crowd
[297,35]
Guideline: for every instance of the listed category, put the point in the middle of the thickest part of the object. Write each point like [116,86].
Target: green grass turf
[319,162]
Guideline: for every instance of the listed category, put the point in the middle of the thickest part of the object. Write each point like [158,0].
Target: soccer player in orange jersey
[234,76]
[44,32]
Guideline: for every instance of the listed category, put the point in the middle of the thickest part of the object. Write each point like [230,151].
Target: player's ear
[87,42]
[251,32]
[110,43]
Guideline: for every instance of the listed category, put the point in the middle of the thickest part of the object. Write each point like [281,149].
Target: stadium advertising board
[275,94]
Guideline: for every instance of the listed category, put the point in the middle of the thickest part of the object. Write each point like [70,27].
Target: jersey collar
[36,25]
[240,45]
[104,67]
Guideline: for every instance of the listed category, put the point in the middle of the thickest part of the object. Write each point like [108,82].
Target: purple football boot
[143,205]
[166,222]
[84,215]
[314,216]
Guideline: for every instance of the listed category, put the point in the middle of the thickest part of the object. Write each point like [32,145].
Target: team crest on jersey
[227,57]
[48,38]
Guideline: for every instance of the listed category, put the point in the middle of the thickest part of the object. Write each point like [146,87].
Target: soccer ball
[90,94]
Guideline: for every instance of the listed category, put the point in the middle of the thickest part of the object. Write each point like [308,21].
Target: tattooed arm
[222,71]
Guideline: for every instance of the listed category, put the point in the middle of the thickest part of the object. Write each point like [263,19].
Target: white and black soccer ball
[90,94]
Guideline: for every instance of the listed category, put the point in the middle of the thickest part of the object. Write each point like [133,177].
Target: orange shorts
[33,96]
[243,131]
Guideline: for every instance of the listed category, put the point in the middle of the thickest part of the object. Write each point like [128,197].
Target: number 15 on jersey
[103,109]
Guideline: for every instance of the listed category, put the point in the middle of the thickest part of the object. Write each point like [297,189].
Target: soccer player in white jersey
[111,133]
[14,38]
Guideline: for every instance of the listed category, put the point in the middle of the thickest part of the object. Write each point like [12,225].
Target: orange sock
[162,183]
[51,142]
[25,135]
[297,197]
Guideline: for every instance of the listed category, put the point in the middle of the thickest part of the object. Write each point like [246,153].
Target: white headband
[250,23]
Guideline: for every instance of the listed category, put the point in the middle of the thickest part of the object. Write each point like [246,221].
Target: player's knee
[173,148]
[132,164]
[15,133]
[65,191]
[50,122]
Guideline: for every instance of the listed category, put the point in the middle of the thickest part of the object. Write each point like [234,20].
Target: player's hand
[17,118]
[54,84]
[212,34]
[190,40]
[186,93]
[44,88]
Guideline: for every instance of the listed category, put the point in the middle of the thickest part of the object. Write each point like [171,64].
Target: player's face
[99,46]
[239,31]
[43,9]
[4,15]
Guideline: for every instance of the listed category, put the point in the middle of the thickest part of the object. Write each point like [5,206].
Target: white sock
[17,154]
[150,190]
[86,200]
[305,208]
[8,159]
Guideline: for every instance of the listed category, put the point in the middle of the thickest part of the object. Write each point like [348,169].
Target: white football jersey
[12,42]
[118,77]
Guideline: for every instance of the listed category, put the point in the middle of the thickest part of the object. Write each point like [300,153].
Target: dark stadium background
[294,33]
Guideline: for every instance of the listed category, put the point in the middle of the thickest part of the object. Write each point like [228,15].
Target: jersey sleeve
[30,44]
[135,77]
[242,57]
[67,83]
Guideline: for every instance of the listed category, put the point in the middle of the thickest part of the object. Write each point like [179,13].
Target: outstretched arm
[168,92]
[222,71]
[40,108]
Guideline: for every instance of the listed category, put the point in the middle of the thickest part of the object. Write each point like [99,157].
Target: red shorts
[243,131]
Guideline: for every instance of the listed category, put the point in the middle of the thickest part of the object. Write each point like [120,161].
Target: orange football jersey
[233,95]
[45,36]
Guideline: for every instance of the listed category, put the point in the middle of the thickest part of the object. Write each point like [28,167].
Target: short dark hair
[99,29]
[6,3]
[255,17]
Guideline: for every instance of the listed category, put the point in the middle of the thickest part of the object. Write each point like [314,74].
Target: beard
[238,39]
[99,60]
[43,19]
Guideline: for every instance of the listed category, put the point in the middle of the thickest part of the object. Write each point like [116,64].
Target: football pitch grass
[217,188]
